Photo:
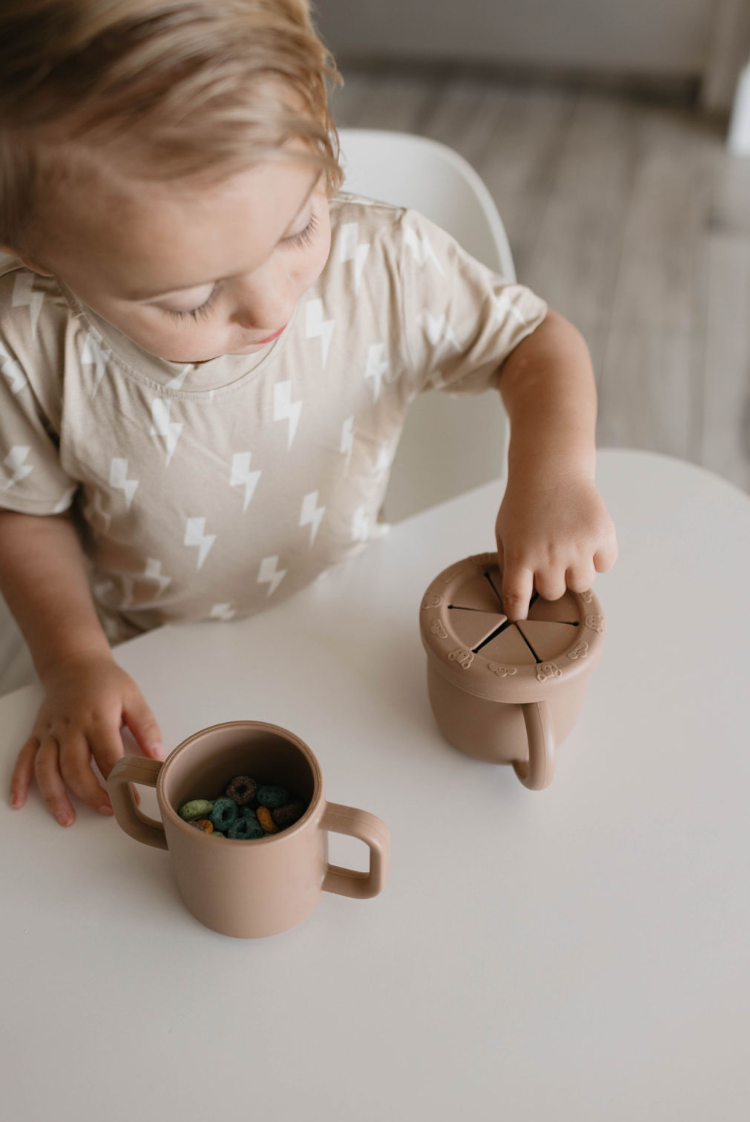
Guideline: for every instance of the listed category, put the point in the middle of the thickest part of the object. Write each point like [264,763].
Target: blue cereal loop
[272,796]
[223,814]
[245,827]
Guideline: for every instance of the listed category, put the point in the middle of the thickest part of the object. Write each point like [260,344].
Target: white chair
[449,443]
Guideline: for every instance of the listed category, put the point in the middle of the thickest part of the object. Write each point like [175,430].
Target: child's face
[191,272]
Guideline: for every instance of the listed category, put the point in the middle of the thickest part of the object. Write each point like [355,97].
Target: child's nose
[265,305]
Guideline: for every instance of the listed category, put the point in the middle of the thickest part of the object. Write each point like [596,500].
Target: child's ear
[27,262]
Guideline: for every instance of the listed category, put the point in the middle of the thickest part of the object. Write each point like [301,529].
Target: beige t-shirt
[211,491]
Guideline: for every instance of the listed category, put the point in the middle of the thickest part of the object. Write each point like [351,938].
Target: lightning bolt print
[438,329]
[421,248]
[351,251]
[118,478]
[153,572]
[360,525]
[24,296]
[270,574]
[14,462]
[12,371]
[377,364]
[347,440]
[64,502]
[177,382]
[316,327]
[162,426]
[312,514]
[386,452]
[95,355]
[286,409]
[194,535]
[504,307]
[242,476]
[224,612]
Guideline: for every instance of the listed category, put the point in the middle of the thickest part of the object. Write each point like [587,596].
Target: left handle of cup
[135,769]
[369,829]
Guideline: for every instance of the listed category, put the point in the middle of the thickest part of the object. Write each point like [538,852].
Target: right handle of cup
[369,829]
[539,771]
[135,769]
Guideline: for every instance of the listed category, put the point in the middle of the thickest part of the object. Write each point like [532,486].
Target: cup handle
[135,769]
[358,824]
[539,772]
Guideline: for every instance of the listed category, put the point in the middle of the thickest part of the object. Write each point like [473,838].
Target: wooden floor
[628,217]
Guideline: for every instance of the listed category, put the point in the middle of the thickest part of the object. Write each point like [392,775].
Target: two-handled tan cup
[248,888]
[505,692]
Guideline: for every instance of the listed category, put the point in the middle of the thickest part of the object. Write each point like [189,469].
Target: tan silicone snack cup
[248,888]
[507,693]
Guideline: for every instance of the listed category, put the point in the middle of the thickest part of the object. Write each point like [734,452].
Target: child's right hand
[88,700]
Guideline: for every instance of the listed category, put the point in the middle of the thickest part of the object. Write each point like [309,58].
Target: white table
[578,954]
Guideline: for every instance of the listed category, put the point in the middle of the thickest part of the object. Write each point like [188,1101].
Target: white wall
[664,37]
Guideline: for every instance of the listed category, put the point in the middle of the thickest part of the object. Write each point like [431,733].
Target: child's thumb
[142,723]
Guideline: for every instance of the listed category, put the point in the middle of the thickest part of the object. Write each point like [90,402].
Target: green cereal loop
[272,796]
[245,828]
[248,812]
[224,813]
[196,808]
[217,834]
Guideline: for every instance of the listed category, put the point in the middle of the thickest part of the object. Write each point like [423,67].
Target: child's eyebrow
[141,294]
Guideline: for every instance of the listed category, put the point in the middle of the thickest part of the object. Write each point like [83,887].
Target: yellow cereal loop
[266,821]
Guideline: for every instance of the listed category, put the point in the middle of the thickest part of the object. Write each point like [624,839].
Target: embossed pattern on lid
[474,645]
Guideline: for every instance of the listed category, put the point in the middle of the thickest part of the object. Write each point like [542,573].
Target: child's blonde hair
[178,86]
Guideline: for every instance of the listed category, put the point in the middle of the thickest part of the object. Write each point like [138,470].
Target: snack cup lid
[471,642]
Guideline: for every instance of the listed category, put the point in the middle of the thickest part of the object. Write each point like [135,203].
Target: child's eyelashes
[304,237]
[201,312]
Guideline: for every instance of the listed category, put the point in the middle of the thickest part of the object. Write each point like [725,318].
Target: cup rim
[317,795]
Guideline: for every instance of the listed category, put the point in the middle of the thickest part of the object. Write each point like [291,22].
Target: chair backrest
[450,444]
[414,171]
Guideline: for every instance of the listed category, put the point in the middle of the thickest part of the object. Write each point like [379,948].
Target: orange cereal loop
[266,821]
[205,824]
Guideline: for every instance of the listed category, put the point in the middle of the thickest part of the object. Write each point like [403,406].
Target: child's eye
[304,236]
[200,312]
[204,310]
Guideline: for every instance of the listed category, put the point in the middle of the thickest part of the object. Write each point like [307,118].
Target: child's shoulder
[34,326]
[387,229]
[372,216]
[27,298]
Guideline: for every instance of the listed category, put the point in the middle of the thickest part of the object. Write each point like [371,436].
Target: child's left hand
[551,537]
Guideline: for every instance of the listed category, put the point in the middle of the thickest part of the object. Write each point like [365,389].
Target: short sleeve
[461,320]
[32,480]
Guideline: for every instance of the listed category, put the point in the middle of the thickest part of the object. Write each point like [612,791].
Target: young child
[207,353]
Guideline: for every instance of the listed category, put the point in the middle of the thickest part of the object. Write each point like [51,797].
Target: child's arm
[553,530]
[88,697]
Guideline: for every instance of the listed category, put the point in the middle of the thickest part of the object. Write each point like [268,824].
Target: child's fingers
[605,557]
[550,583]
[75,768]
[23,772]
[106,748]
[518,587]
[50,782]
[579,578]
[500,557]
[142,723]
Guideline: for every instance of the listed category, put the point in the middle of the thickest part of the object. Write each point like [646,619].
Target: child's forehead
[164,235]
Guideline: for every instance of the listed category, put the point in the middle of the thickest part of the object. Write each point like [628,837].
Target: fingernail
[15,802]
[64,819]
[105,808]
[157,750]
